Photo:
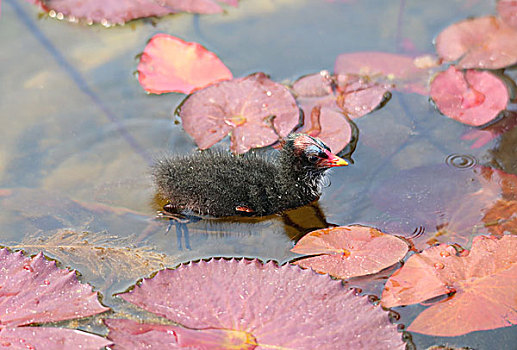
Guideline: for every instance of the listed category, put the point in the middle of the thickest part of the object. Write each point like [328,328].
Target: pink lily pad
[484,42]
[328,125]
[473,98]
[169,64]
[507,10]
[401,72]
[127,334]
[481,280]
[254,110]
[314,85]
[349,251]
[358,96]
[349,94]
[34,290]
[24,338]
[269,306]
[120,11]
[326,100]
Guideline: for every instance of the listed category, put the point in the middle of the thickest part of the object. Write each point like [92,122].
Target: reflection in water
[295,222]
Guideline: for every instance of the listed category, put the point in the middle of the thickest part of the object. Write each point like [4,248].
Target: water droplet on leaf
[439,266]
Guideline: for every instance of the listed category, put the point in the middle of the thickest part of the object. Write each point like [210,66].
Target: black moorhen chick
[219,184]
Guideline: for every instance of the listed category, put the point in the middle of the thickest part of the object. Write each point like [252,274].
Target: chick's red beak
[333,161]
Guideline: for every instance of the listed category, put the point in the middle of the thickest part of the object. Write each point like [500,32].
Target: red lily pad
[120,11]
[483,42]
[325,99]
[328,125]
[314,85]
[349,251]
[34,290]
[322,116]
[480,281]
[507,10]
[357,96]
[473,98]
[254,110]
[349,94]
[169,64]
[264,305]
[398,71]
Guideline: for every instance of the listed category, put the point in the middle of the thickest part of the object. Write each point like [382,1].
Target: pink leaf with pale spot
[34,290]
[258,306]
[482,43]
[473,98]
[349,251]
[485,279]
[169,64]
[254,110]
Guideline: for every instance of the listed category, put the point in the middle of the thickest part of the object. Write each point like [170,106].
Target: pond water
[79,133]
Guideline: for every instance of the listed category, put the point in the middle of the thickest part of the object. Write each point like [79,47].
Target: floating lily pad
[327,101]
[483,42]
[120,11]
[473,98]
[169,64]
[400,72]
[260,306]
[349,251]
[254,110]
[132,335]
[481,287]
[330,126]
[34,290]
[357,96]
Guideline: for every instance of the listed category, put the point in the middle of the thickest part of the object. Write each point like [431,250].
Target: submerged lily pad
[473,98]
[255,305]
[254,110]
[349,251]
[169,64]
[443,203]
[484,280]
[34,290]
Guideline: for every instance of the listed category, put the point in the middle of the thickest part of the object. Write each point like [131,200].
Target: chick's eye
[313,158]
